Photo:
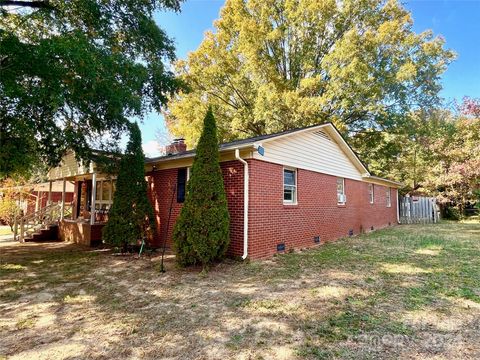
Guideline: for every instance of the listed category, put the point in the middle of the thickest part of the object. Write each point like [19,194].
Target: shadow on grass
[364,297]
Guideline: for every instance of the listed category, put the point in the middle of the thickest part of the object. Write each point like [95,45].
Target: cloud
[151,148]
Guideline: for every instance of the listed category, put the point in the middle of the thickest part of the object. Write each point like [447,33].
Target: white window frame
[342,193]
[295,187]
[371,193]
[99,202]
[389,197]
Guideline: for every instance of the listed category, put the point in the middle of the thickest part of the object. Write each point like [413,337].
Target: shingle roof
[232,144]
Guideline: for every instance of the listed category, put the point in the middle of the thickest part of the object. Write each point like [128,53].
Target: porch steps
[49,233]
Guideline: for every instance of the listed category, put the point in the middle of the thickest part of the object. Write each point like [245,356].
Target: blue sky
[456,20]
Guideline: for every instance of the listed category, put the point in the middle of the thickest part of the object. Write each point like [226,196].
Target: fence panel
[418,210]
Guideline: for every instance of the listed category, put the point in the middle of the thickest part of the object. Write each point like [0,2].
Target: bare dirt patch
[409,292]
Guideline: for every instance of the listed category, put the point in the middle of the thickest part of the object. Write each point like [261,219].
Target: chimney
[176,147]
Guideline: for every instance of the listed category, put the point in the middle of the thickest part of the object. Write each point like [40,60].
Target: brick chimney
[176,147]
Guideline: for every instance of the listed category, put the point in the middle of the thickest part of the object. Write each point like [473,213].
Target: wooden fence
[418,210]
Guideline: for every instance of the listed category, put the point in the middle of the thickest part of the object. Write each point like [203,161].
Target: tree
[73,72]
[201,233]
[470,107]
[12,192]
[405,152]
[273,65]
[436,153]
[454,174]
[8,210]
[131,217]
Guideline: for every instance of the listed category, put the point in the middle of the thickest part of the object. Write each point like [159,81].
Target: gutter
[245,202]
[381,181]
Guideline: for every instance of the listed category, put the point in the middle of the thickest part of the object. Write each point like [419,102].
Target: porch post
[94,195]
[63,199]
[37,203]
[49,192]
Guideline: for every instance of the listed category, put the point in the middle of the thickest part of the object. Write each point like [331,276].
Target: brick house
[288,190]
[293,189]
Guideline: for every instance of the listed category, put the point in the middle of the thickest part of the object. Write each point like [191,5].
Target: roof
[252,141]
[57,186]
[236,143]
[383,180]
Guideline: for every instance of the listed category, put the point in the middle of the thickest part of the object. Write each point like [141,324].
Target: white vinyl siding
[311,150]
[68,167]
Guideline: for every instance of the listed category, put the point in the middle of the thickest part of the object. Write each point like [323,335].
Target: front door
[84,198]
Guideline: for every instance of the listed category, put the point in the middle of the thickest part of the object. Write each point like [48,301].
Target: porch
[92,199]
[80,220]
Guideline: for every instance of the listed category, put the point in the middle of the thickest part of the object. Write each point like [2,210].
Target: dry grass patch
[405,292]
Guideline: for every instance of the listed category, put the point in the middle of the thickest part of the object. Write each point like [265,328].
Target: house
[292,189]
[288,190]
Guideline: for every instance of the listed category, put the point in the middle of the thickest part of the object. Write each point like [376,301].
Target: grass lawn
[404,292]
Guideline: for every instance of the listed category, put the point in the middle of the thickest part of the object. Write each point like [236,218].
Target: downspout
[398,207]
[245,203]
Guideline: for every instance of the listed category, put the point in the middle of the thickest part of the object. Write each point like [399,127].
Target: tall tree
[454,174]
[404,152]
[131,217]
[72,72]
[201,233]
[273,65]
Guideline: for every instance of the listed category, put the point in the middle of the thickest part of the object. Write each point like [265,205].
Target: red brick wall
[162,184]
[317,213]
[270,221]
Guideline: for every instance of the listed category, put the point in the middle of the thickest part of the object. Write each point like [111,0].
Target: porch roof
[57,186]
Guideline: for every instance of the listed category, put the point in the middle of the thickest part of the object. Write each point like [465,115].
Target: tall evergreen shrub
[201,233]
[131,216]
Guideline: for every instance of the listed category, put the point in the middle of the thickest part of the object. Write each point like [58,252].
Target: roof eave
[192,153]
[382,181]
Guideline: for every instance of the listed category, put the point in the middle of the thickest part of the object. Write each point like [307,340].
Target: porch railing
[27,225]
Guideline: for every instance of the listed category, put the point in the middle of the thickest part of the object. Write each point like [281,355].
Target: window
[104,195]
[181,184]
[389,197]
[289,186]
[341,197]
[370,193]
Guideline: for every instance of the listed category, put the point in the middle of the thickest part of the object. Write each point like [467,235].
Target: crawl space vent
[281,247]
[316,239]
[350,232]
